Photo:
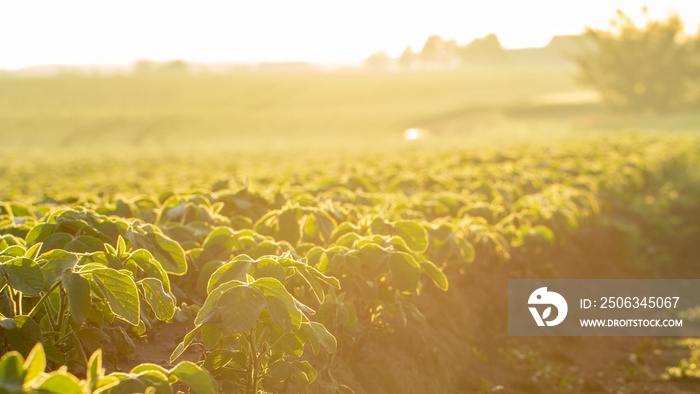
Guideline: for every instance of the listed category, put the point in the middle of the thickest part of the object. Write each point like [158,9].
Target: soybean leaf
[145,367]
[413,234]
[35,363]
[94,369]
[317,334]
[39,233]
[78,291]
[289,226]
[33,251]
[162,303]
[150,266]
[54,262]
[280,303]
[56,241]
[186,342]
[240,308]
[120,293]
[209,309]
[211,334]
[267,267]
[280,371]
[311,280]
[435,274]
[405,271]
[25,336]
[220,357]
[174,261]
[11,372]
[305,372]
[233,270]
[195,377]
[24,275]
[61,382]
[7,323]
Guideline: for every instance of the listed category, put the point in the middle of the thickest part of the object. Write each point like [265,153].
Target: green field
[253,111]
[278,233]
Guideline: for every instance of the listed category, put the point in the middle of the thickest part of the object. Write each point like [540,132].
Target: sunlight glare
[412,134]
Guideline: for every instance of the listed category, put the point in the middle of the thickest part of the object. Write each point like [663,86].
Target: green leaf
[315,285]
[305,372]
[413,234]
[54,262]
[233,270]
[145,367]
[317,334]
[195,377]
[221,236]
[405,271]
[24,275]
[56,241]
[25,336]
[268,268]
[186,342]
[78,291]
[127,385]
[150,266]
[289,226]
[94,369]
[435,274]
[121,246]
[33,251]
[8,323]
[209,308]
[39,233]
[211,334]
[14,251]
[175,262]
[35,363]
[120,293]
[11,373]
[93,338]
[280,371]
[220,357]
[122,341]
[162,303]
[61,382]
[240,308]
[280,303]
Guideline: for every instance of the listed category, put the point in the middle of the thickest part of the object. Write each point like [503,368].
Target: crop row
[316,260]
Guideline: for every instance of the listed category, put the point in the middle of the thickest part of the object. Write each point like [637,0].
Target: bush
[650,68]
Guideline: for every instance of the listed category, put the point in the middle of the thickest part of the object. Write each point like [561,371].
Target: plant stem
[43,299]
[80,348]
[254,366]
[61,310]
[18,303]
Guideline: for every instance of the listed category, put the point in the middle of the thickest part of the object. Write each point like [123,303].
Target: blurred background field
[131,131]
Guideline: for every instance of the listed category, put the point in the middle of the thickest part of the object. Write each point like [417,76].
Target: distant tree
[408,59]
[378,61]
[654,67]
[487,50]
[175,67]
[437,53]
[144,66]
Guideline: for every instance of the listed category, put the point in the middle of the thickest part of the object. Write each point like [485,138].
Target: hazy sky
[326,31]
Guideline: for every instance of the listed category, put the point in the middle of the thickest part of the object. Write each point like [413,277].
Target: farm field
[278,233]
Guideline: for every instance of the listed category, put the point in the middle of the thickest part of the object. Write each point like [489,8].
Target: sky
[321,31]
